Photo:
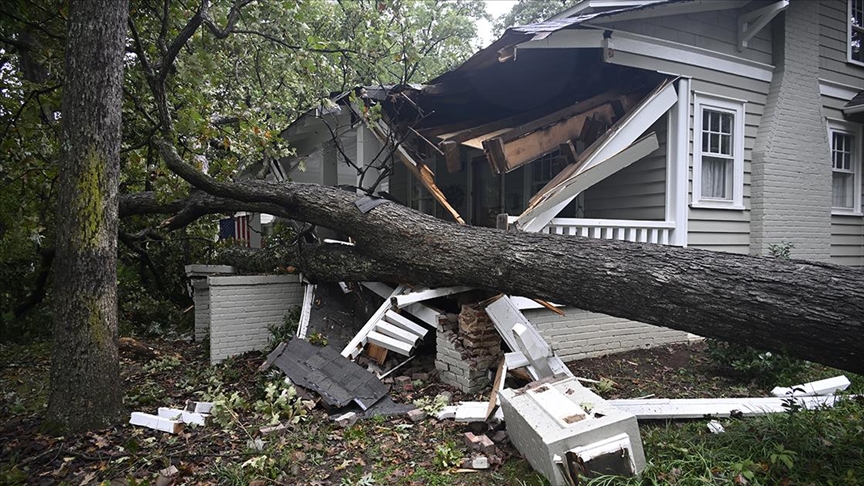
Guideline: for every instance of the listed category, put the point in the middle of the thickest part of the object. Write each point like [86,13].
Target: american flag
[236,228]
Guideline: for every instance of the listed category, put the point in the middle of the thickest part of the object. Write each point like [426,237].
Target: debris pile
[467,347]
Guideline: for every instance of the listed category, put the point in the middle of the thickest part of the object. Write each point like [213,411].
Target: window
[855,31]
[845,140]
[718,152]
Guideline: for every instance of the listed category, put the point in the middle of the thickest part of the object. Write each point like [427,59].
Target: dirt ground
[314,451]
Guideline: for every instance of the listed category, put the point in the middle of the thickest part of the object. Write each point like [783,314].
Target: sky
[495,8]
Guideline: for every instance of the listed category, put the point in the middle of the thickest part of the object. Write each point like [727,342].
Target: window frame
[855,130]
[732,106]
[849,29]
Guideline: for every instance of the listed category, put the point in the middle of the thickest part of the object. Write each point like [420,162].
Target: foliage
[317,339]
[284,332]
[447,455]
[782,250]
[822,446]
[432,405]
[764,367]
[530,11]
[605,385]
[228,96]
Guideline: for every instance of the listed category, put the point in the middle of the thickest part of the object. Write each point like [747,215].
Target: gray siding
[833,38]
[724,229]
[847,231]
[715,31]
[637,192]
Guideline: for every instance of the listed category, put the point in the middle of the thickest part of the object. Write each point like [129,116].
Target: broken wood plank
[568,151]
[405,323]
[306,310]
[420,171]
[376,353]
[452,156]
[388,342]
[354,346]
[689,408]
[497,385]
[510,152]
[396,332]
[536,351]
[471,412]
[828,386]
[536,217]
[622,134]
[199,407]
[156,422]
[182,416]
[423,312]
[428,294]
[505,315]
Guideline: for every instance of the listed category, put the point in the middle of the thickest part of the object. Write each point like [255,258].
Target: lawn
[797,447]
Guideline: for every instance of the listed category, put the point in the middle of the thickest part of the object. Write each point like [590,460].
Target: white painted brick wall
[241,309]
[581,334]
[201,298]
[791,170]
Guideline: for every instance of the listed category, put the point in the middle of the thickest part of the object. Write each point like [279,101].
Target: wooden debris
[182,416]
[689,408]
[155,422]
[827,386]
[199,407]
[496,387]
[376,352]
[471,412]
[346,419]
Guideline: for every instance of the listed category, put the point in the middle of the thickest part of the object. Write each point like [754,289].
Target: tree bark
[85,383]
[809,309]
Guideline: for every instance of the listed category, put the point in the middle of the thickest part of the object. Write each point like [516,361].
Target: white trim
[833,89]
[855,130]
[750,23]
[649,47]
[737,108]
[677,167]
[692,7]
[588,4]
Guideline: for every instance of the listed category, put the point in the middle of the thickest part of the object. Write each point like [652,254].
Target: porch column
[368,148]
[677,163]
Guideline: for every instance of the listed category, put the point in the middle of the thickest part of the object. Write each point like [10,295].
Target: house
[726,125]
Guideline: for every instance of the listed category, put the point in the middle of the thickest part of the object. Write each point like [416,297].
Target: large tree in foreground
[85,380]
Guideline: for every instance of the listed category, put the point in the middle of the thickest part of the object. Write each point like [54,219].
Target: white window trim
[736,107]
[855,130]
[849,35]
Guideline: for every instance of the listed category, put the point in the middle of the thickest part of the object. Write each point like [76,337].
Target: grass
[823,447]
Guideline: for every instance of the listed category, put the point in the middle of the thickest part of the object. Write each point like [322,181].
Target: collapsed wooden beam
[515,147]
[420,171]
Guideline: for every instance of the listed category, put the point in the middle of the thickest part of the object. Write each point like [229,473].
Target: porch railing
[614,229]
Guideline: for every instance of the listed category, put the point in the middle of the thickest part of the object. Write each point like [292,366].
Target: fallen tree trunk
[810,310]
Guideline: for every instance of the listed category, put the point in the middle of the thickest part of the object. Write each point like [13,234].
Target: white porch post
[677,163]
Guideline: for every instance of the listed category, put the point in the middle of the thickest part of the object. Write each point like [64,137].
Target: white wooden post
[677,163]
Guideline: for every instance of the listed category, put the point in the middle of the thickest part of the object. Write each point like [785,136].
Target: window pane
[843,190]
[856,21]
[841,150]
[727,123]
[716,178]
[726,144]
[705,142]
[714,147]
